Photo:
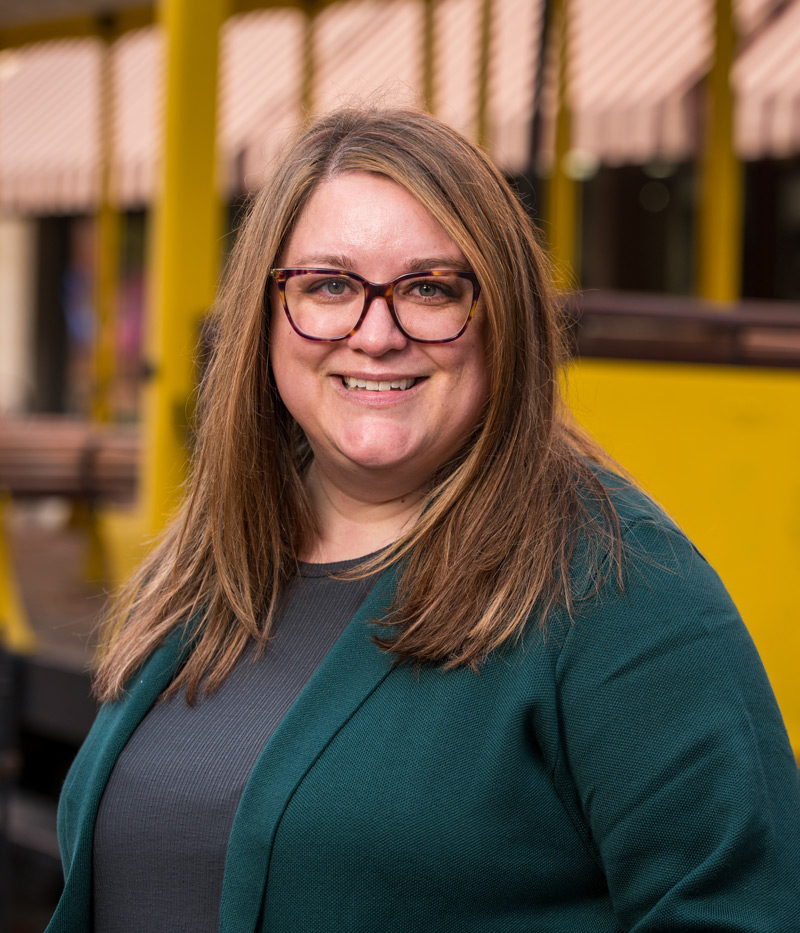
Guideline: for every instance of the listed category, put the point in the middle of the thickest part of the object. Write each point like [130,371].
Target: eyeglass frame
[373,290]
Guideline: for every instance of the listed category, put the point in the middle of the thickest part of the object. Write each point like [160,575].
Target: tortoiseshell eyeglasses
[427,307]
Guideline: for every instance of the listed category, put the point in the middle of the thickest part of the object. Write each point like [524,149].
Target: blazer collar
[352,670]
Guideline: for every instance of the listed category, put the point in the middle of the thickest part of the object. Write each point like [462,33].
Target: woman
[421,661]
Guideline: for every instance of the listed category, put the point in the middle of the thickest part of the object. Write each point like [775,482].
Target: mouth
[393,385]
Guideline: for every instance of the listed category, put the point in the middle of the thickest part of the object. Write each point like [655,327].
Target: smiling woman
[415,655]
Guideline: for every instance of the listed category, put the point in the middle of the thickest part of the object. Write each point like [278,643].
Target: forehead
[366,218]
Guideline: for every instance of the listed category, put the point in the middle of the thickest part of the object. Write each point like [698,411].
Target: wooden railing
[630,325]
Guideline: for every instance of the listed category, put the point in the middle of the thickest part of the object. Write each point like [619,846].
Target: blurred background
[655,142]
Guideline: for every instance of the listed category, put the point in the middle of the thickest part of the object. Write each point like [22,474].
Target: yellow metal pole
[484,60]
[561,200]
[309,74]
[107,227]
[719,239]
[186,246]
[15,631]
[107,240]
[428,54]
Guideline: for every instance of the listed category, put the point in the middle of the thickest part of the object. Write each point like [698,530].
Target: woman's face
[369,225]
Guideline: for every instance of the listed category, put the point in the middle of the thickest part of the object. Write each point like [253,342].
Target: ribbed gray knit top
[162,828]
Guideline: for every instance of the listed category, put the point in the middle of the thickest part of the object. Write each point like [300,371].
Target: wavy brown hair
[497,539]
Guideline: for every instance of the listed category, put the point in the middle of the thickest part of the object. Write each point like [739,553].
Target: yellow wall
[719,448]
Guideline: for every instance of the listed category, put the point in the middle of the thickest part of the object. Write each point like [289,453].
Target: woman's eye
[336,286]
[427,290]
[328,287]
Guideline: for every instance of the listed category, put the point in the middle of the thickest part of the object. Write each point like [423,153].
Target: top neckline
[307,569]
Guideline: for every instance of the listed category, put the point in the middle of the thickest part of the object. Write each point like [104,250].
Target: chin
[381,448]
[378,460]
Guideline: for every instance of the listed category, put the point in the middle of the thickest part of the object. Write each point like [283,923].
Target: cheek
[297,370]
[286,361]
[462,402]
[477,373]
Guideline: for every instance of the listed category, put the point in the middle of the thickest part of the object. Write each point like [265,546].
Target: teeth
[353,383]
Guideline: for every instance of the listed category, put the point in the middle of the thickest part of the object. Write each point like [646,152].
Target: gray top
[162,829]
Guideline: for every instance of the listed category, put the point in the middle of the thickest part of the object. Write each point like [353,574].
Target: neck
[352,524]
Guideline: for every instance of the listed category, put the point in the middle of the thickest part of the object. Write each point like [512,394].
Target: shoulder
[665,739]
[662,635]
[625,539]
[661,573]
[660,623]
[630,503]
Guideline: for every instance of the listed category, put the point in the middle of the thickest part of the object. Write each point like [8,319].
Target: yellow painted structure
[428,54]
[108,224]
[719,230]
[15,632]
[719,448]
[309,72]
[484,58]
[186,246]
[561,201]
[107,246]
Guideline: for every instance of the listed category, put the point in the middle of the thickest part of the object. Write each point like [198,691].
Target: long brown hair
[497,538]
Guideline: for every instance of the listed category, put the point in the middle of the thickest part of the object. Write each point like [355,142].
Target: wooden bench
[68,457]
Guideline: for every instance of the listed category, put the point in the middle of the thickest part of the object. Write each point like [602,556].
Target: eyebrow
[416,264]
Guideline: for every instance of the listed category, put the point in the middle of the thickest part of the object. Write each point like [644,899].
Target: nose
[378,333]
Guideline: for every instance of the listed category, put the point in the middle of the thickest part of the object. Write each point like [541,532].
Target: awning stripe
[515,45]
[369,51]
[56,168]
[260,75]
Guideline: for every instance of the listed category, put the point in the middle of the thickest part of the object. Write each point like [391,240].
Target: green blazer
[629,770]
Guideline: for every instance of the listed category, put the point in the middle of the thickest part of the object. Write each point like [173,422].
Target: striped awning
[634,78]
[634,66]
[48,126]
[637,70]
[365,50]
[767,81]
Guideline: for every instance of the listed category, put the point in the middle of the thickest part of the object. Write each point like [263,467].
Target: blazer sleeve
[674,741]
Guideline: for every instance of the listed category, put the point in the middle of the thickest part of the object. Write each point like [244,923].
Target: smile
[353,382]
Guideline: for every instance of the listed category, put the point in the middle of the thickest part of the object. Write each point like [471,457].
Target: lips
[355,382]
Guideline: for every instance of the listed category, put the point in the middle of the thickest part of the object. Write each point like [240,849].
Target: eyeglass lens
[328,305]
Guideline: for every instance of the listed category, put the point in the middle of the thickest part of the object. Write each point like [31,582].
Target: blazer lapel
[89,775]
[348,675]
